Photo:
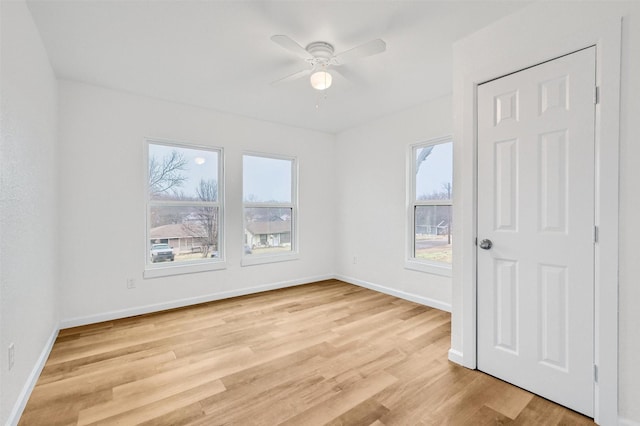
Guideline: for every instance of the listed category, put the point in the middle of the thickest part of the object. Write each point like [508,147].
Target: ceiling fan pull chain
[320,97]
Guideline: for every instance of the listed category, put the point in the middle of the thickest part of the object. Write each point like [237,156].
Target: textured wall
[28,202]
[371,163]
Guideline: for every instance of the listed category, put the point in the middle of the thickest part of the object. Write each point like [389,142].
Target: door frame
[508,46]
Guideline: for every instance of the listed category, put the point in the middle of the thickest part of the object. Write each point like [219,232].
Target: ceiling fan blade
[294,76]
[342,73]
[368,49]
[292,46]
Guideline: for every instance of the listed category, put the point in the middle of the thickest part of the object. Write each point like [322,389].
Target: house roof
[275,227]
[178,230]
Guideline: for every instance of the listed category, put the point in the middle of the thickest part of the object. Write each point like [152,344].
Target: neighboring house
[268,233]
[183,238]
[442,228]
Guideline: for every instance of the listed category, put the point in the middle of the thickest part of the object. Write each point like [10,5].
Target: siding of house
[271,233]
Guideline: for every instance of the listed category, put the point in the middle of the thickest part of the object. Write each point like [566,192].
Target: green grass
[267,250]
[439,254]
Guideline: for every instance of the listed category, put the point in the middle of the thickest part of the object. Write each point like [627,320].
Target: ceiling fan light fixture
[321,80]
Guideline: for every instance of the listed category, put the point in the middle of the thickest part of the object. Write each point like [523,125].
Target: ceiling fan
[321,57]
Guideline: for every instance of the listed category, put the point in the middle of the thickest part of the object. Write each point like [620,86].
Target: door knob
[486,244]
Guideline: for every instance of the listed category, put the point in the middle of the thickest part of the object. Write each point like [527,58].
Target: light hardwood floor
[323,353]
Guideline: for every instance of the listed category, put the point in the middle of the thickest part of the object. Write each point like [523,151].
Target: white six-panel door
[536,206]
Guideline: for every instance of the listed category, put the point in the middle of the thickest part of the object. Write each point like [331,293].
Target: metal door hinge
[596,233]
[595,373]
[596,95]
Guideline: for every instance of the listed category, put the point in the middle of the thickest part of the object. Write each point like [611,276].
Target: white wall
[100,174]
[534,30]
[629,290]
[28,237]
[102,203]
[371,202]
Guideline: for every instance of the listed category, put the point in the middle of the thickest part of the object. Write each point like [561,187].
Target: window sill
[177,269]
[263,259]
[441,269]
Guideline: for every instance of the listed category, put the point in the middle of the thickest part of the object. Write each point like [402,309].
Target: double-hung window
[184,209]
[429,196]
[269,186]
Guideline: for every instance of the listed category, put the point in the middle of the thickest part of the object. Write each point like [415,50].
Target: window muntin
[431,203]
[184,208]
[269,194]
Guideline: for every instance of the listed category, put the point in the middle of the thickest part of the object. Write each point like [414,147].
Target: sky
[194,172]
[435,170]
[269,179]
[266,179]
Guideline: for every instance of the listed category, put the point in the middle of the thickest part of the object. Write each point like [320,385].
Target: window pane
[177,173]
[267,230]
[183,233]
[433,233]
[266,180]
[434,172]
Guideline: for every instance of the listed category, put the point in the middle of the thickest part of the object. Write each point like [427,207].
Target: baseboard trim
[627,422]
[456,356]
[397,293]
[180,303]
[23,398]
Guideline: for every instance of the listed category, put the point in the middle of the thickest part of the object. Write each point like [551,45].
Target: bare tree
[165,175]
[207,190]
[207,216]
[442,194]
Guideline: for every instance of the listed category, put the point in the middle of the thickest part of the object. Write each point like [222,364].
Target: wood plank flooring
[323,353]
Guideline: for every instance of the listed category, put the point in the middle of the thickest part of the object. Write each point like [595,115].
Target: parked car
[161,252]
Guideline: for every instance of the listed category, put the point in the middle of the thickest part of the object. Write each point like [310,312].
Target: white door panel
[536,205]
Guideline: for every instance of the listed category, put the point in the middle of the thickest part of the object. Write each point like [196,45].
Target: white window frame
[411,262]
[259,259]
[163,269]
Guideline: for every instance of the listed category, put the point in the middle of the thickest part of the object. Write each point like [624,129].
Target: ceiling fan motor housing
[322,52]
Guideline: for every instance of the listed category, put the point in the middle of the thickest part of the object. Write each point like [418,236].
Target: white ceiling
[218,54]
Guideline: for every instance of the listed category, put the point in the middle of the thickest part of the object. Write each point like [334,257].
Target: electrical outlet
[12,355]
[131,283]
